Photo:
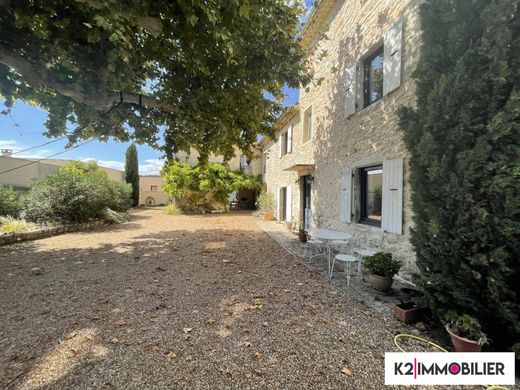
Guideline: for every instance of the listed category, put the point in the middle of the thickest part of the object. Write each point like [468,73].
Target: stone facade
[151,191]
[343,142]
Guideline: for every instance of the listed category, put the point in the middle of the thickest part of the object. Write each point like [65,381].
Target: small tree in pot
[465,332]
[267,205]
[382,269]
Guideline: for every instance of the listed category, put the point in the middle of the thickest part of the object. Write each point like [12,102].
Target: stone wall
[371,135]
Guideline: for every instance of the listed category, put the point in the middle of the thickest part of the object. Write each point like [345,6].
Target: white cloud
[16,147]
[151,166]
[106,163]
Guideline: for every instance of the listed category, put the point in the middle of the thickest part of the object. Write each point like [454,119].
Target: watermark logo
[440,368]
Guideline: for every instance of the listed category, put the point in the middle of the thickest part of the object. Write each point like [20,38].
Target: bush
[203,187]
[9,202]
[172,210]
[382,264]
[13,225]
[266,203]
[464,141]
[76,194]
[121,197]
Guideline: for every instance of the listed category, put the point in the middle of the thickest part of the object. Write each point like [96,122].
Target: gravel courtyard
[179,302]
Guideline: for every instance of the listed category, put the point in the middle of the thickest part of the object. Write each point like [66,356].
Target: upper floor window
[373,80]
[307,125]
[153,188]
[285,144]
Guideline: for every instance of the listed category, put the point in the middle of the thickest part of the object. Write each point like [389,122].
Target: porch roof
[300,167]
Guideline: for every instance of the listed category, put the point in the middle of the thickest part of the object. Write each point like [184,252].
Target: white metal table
[328,236]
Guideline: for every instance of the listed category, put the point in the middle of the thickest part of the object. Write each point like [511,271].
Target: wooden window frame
[363,195]
[366,76]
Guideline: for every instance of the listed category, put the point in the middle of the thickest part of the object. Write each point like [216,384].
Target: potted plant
[382,269]
[407,309]
[465,332]
[302,234]
[266,205]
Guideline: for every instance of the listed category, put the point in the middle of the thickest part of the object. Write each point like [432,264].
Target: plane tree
[173,74]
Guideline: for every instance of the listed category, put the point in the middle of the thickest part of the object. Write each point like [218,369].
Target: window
[284,140]
[153,188]
[371,195]
[373,82]
[307,125]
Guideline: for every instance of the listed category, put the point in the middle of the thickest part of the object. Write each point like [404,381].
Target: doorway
[283,204]
[306,193]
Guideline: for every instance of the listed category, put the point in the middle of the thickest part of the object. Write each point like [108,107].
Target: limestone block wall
[372,134]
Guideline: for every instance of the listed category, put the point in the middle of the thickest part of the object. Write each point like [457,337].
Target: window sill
[368,225]
[367,108]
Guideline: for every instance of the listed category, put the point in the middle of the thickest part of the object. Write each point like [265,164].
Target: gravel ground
[179,302]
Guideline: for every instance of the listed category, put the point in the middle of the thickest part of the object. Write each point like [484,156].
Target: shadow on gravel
[184,308]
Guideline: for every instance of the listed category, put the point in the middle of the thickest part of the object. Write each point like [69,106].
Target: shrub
[381,263]
[266,203]
[122,196]
[171,209]
[464,141]
[9,202]
[13,225]
[75,193]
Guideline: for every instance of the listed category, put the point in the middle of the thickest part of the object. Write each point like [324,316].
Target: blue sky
[24,128]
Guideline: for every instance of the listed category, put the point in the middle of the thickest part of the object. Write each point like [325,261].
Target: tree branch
[100,101]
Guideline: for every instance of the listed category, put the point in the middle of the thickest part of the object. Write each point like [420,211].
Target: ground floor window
[371,194]
[283,204]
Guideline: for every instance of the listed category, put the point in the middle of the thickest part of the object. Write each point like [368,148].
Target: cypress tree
[464,140]
[132,172]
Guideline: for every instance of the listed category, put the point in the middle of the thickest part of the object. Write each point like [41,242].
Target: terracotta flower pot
[463,344]
[381,283]
[407,312]
[268,216]
[302,236]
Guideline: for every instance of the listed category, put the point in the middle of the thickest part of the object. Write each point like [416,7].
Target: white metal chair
[315,247]
[348,260]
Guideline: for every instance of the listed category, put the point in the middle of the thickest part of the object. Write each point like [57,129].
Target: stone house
[151,191]
[339,161]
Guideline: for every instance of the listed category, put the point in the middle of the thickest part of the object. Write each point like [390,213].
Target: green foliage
[382,263]
[75,193]
[132,172]
[465,326]
[12,225]
[9,202]
[205,64]
[203,187]
[266,203]
[171,209]
[464,139]
[121,195]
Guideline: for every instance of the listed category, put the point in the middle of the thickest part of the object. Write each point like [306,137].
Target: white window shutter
[393,42]
[346,197]
[350,89]
[392,211]
[280,145]
[288,204]
[277,203]
[289,139]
